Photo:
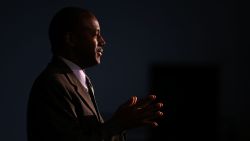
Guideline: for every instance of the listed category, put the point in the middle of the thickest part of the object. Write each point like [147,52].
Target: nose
[101,41]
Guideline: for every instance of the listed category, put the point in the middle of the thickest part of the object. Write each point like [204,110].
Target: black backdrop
[138,34]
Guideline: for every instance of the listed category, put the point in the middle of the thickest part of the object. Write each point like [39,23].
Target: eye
[92,32]
[96,33]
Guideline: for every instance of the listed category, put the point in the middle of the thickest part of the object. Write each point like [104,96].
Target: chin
[91,63]
[98,62]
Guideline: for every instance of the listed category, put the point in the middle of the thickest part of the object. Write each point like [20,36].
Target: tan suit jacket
[60,109]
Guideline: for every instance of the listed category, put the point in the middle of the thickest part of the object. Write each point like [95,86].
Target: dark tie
[92,96]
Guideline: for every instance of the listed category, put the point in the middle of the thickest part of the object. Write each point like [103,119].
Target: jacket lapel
[59,66]
[82,92]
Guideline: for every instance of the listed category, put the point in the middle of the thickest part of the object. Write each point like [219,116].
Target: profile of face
[88,42]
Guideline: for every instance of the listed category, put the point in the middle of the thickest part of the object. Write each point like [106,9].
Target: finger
[132,101]
[154,124]
[145,102]
[152,116]
[151,123]
[154,107]
[159,105]
[151,120]
[149,115]
[149,110]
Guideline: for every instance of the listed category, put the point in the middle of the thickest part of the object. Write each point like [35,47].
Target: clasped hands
[136,113]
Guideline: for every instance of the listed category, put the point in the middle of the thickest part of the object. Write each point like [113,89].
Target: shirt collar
[79,72]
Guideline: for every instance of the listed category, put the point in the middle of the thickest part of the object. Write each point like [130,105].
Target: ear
[70,39]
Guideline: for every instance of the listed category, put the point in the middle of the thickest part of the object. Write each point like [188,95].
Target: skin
[141,113]
[83,46]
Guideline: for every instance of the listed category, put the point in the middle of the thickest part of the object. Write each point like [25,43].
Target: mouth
[99,51]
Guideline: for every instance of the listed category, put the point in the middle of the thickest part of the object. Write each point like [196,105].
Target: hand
[135,113]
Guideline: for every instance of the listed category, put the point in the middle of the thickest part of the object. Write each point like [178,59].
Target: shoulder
[55,74]
[51,81]
[48,78]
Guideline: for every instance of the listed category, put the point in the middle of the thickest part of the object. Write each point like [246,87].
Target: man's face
[88,42]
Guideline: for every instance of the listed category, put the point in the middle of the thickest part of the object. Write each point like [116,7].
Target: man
[62,104]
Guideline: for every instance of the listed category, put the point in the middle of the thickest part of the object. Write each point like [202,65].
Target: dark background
[142,36]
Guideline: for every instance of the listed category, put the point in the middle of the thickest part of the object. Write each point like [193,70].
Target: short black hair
[65,20]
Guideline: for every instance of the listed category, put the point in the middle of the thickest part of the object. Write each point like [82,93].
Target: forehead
[89,21]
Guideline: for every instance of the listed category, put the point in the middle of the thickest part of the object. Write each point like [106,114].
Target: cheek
[87,46]
[90,43]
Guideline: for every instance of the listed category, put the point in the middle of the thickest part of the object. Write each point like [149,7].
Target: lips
[99,51]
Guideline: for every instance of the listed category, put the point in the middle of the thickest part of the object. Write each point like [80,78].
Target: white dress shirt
[78,72]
